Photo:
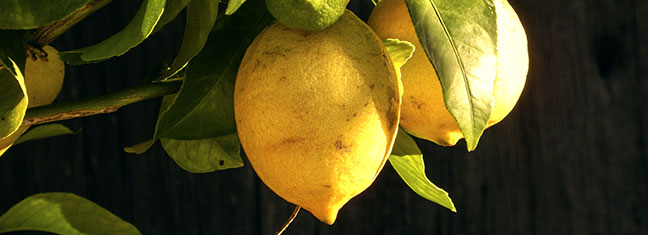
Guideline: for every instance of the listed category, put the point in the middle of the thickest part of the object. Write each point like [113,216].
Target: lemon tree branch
[48,33]
[98,105]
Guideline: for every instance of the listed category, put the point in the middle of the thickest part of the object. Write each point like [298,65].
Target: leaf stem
[99,105]
[290,220]
[48,33]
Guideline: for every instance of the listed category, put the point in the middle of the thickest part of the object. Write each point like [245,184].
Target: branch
[48,33]
[98,105]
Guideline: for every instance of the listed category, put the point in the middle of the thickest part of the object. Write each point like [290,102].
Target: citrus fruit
[423,112]
[311,15]
[43,81]
[317,112]
[44,77]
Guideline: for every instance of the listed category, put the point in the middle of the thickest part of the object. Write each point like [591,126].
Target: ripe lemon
[423,112]
[311,15]
[317,112]
[43,82]
[44,77]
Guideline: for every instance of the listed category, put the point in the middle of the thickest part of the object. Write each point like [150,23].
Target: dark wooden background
[570,159]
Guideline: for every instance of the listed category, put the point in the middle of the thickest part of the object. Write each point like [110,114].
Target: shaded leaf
[44,131]
[14,48]
[143,146]
[460,40]
[13,100]
[233,6]
[7,142]
[407,160]
[140,148]
[171,9]
[63,213]
[201,15]
[205,155]
[33,14]
[13,94]
[204,107]
[133,34]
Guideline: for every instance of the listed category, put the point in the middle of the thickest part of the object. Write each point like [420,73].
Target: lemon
[317,112]
[44,77]
[311,15]
[43,81]
[424,113]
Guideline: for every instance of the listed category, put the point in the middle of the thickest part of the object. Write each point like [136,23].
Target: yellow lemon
[423,112]
[43,81]
[44,77]
[317,112]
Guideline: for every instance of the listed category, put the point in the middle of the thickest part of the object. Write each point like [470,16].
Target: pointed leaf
[460,39]
[233,6]
[171,9]
[205,155]
[14,48]
[205,109]
[13,100]
[13,94]
[407,160]
[135,32]
[204,105]
[63,213]
[33,14]
[144,146]
[140,148]
[44,131]
[201,15]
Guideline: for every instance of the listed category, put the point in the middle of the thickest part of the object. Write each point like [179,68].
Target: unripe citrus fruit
[424,113]
[311,15]
[317,112]
[43,82]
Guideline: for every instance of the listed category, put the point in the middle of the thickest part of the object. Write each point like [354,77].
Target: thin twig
[98,105]
[290,220]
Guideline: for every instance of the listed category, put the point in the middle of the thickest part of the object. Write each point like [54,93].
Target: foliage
[196,125]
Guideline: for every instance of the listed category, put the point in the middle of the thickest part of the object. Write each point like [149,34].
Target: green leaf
[233,6]
[143,146]
[201,15]
[205,155]
[460,39]
[399,51]
[407,160]
[135,32]
[14,48]
[44,131]
[63,213]
[171,9]
[13,101]
[140,148]
[204,107]
[13,94]
[32,14]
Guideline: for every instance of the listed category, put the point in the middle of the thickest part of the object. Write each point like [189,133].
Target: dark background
[570,159]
